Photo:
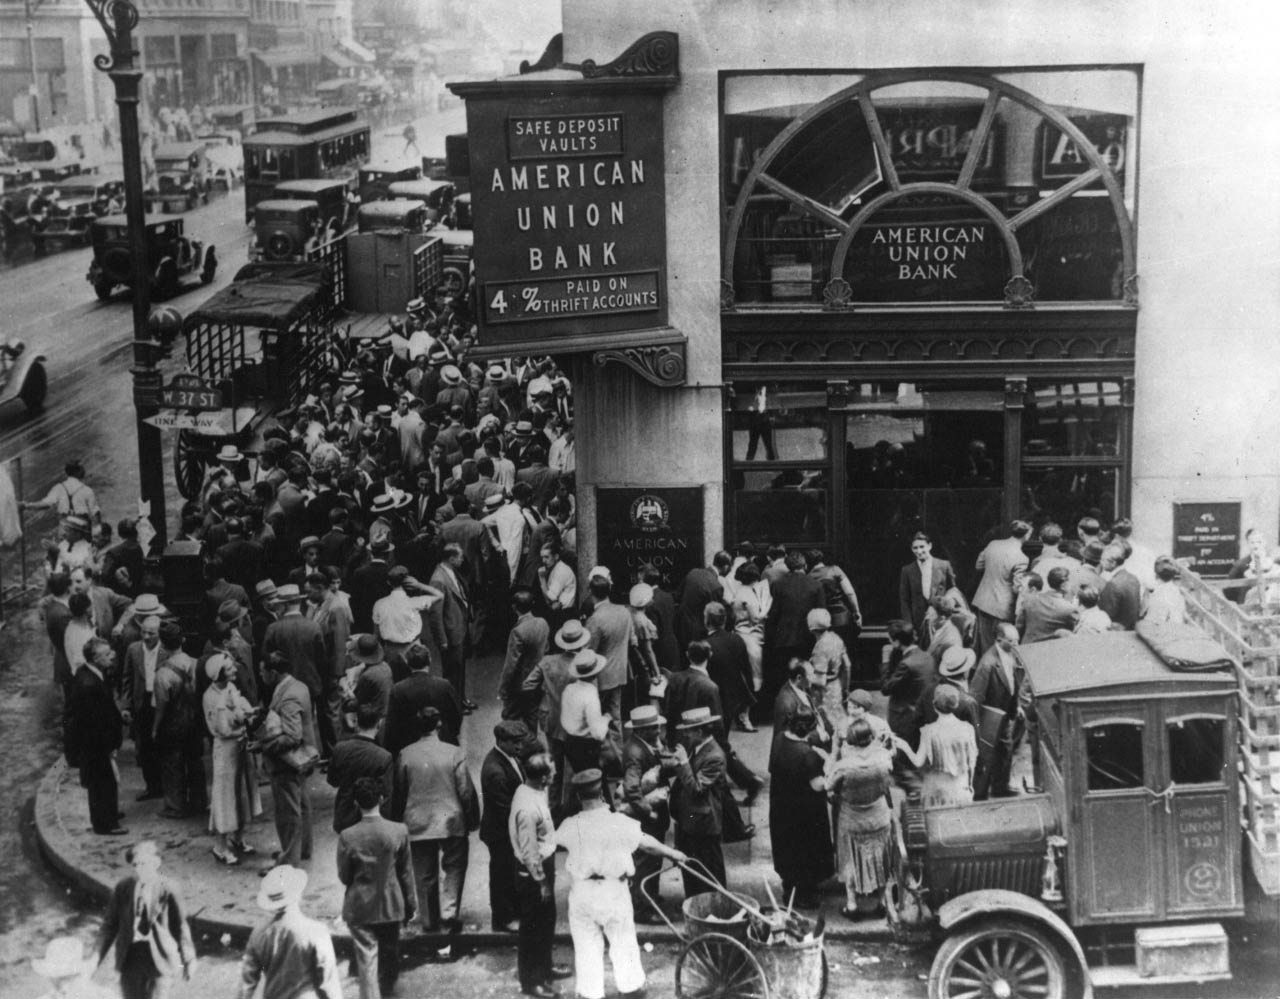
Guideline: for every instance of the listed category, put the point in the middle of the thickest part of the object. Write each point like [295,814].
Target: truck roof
[1084,664]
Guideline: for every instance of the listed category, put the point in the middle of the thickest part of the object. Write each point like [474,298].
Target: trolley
[734,949]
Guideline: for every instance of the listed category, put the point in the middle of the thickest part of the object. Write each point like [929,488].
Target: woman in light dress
[1166,605]
[234,798]
[830,661]
[751,603]
[859,780]
[947,755]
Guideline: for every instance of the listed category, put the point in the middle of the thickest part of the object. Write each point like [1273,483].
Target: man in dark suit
[662,612]
[786,630]
[1121,598]
[123,563]
[293,706]
[921,581]
[301,640]
[698,589]
[57,615]
[905,676]
[243,560]
[729,666]
[999,688]
[417,691]
[500,775]
[369,584]
[697,796]
[376,865]
[95,730]
[337,544]
[355,758]
[541,479]
[146,926]
[470,536]
[141,661]
[526,645]
[1050,611]
[449,620]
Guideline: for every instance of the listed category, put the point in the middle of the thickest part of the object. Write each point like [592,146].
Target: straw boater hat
[283,886]
[641,596]
[645,716]
[493,501]
[349,378]
[148,604]
[956,662]
[696,718]
[63,958]
[415,305]
[818,619]
[524,429]
[387,502]
[310,541]
[215,664]
[265,591]
[384,411]
[495,374]
[230,454]
[287,594]
[450,374]
[587,664]
[572,636]
[438,354]
[600,572]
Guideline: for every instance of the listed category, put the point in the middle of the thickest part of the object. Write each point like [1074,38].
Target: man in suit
[471,536]
[449,620]
[243,560]
[417,691]
[94,731]
[526,645]
[645,800]
[921,581]
[548,682]
[57,615]
[541,479]
[1122,596]
[1089,572]
[662,612]
[697,796]
[500,774]
[300,639]
[146,926]
[141,660]
[908,672]
[292,704]
[122,565]
[786,630]
[368,584]
[729,667]
[1002,564]
[376,865]
[1046,613]
[354,759]
[612,636]
[337,544]
[999,685]
[698,589]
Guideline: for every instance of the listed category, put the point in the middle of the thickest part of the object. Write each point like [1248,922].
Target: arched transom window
[930,187]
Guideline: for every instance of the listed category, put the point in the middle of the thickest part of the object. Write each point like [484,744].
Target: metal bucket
[794,969]
[712,903]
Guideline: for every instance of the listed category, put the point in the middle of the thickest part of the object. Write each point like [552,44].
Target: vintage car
[286,230]
[171,256]
[77,202]
[238,118]
[226,158]
[402,214]
[437,195]
[182,176]
[22,375]
[22,211]
[373,182]
[459,246]
[332,197]
[1131,853]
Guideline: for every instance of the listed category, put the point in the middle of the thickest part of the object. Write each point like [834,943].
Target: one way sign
[208,422]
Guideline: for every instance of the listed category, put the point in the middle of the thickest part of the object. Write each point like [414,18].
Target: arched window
[931,187]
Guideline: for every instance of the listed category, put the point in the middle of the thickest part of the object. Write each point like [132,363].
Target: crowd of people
[418,512]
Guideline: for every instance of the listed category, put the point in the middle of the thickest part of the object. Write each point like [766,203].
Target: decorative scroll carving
[655,54]
[552,56]
[1015,393]
[662,365]
[837,294]
[112,15]
[1131,291]
[1019,293]
[727,297]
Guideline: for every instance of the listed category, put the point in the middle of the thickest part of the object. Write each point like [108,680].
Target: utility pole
[30,6]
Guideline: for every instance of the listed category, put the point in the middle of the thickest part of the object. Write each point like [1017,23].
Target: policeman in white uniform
[600,844]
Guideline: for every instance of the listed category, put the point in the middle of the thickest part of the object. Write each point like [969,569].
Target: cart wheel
[188,464]
[998,957]
[715,966]
[454,281]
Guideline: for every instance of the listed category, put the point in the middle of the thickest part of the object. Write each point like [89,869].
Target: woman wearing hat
[860,780]
[233,797]
[799,823]
[645,634]
[830,661]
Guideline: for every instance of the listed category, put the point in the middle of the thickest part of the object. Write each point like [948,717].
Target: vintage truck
[1155,830]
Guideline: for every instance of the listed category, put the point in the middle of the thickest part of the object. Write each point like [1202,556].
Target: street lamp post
[30,8]
[118,19]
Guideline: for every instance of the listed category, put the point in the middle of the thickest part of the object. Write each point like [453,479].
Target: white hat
[641,596]
[601,572]
[281,887]
[63,958]
[587,664]
[956,661]
[818,619]
[230,453]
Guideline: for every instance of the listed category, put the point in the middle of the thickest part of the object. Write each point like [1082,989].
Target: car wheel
[103,289]
[998,957]
[280,246]
[453,281]
[34,388]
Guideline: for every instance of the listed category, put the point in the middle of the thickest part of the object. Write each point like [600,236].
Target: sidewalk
[221,899]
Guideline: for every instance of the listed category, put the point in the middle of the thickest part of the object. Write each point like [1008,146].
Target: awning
[339,59]
[359,51]
[289,55]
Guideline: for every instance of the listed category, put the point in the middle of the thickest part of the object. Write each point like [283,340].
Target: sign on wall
[1207,536]
[658,525]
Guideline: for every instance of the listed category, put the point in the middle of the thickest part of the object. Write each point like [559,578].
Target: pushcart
[734,949]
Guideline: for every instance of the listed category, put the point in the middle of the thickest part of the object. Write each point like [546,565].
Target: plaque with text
[658,525]
[1207,536]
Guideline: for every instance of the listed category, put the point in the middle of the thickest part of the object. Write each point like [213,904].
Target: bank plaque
[658,525]
[568,195]
[1207,536]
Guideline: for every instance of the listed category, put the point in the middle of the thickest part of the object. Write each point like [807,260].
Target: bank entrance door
[916,458]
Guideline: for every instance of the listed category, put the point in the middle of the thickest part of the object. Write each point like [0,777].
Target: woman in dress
[751,603]
[799,830]
[233,799]
[1166,605]
[948,753]
[860,779]
[830,660]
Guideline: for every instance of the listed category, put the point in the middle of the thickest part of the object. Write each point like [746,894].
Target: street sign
[190,392]
[211,423]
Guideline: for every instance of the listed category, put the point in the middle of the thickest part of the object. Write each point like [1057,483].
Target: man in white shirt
[533,840]
[506,526]
[559,585]
[585,724]
[397,617]
[70,496]
[141,660]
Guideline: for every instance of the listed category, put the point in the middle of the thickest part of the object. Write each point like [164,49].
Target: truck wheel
[453,281]
[998,957]
[34,388]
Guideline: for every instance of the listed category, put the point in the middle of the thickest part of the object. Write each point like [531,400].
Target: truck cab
[331,196]
[1121,869]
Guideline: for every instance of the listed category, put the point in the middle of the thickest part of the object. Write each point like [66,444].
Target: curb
[58,846]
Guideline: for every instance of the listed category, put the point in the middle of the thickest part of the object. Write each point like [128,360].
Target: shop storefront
[928,309]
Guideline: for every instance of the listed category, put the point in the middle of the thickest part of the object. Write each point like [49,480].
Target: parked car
[171,256]
[182,176]
[460,218]
[332,197]
[437,195]
[403,214]
[284,230]
[239,118]
[459,245]
[373,182]
[77,202]
[22,375]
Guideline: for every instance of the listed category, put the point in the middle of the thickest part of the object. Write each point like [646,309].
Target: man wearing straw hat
[696,796]
[293,952]
[600,845]
[646,770]
[550,678]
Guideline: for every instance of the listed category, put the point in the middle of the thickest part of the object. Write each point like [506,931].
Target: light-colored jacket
[434,794]
[1002,564]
